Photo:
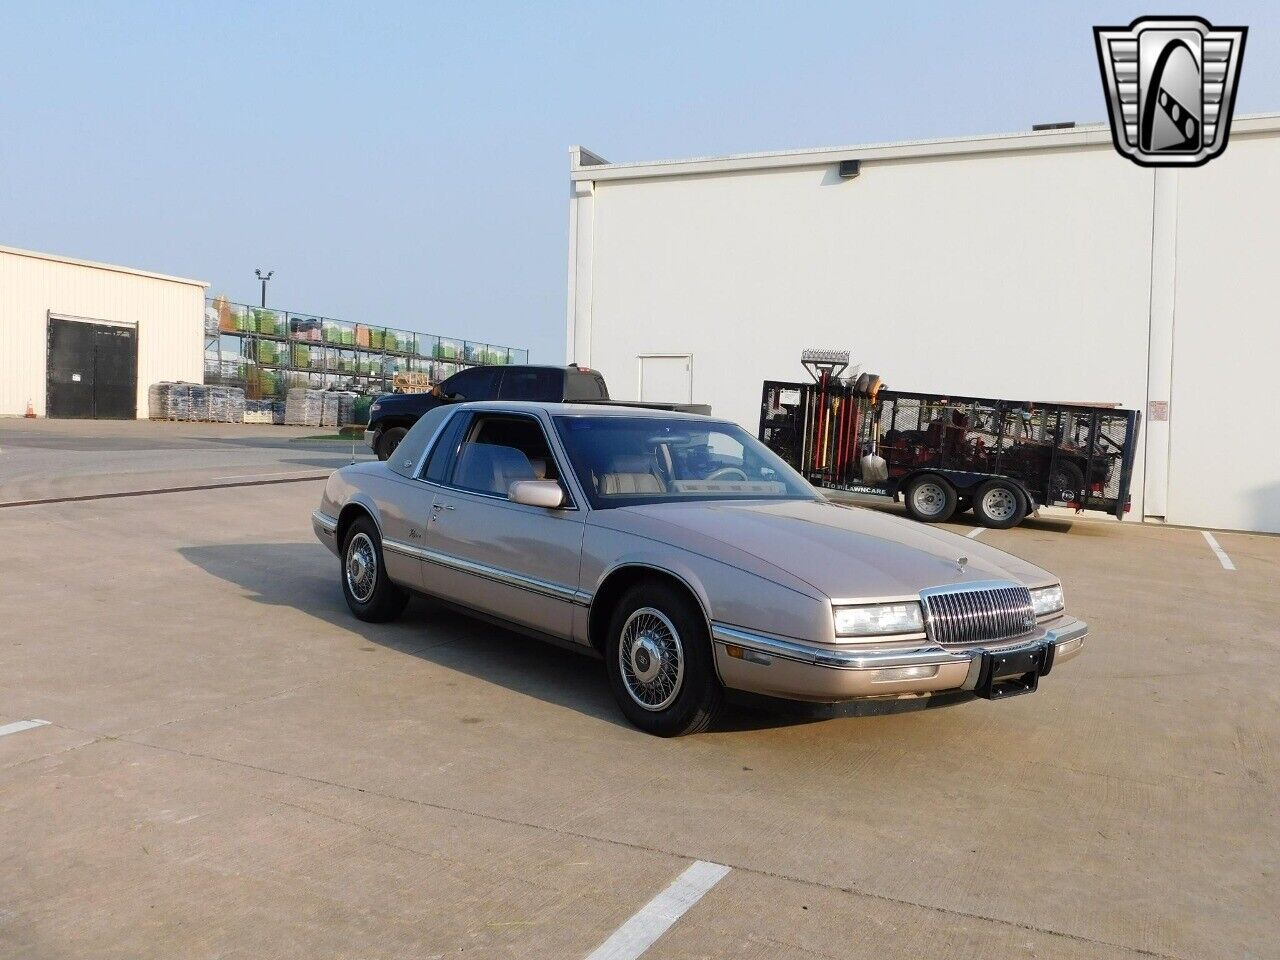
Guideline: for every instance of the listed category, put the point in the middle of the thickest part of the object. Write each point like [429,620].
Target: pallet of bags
[339,408]
[226,404]
[157,401]
[198,402]
[169,401]
[304,407]
[259,411]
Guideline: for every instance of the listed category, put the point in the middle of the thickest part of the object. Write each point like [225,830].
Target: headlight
[879,619]
[376,406]
[1047,600]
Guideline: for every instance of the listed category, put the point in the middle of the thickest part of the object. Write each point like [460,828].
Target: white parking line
[19,725]
[975,532]
[1218,551]
[657,916]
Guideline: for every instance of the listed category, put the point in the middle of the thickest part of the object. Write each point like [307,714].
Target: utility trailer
[942,453]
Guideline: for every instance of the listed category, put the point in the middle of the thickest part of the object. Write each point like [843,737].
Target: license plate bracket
[1012,673]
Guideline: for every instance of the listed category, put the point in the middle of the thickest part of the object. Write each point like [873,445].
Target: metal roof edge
[131,271]
[1087,134]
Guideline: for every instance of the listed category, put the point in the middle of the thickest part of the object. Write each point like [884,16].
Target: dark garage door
[93,370]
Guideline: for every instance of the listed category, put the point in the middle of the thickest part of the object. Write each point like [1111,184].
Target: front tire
[660,662]
[388,440]
[930,499]
[370,594]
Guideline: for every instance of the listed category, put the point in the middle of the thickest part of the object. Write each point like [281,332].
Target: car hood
[843,551]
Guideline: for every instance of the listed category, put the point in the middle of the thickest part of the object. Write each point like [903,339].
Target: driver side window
[499,449]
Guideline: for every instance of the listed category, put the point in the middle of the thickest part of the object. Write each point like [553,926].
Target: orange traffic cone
[31,411]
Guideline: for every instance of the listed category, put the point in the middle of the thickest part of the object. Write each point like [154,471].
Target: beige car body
[766,573]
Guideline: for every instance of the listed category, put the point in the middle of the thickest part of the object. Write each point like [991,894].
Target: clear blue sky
[406,163]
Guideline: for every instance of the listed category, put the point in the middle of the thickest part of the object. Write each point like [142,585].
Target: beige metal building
[82,339]
[1035,265]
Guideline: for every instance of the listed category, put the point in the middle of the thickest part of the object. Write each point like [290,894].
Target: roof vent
[1064,125]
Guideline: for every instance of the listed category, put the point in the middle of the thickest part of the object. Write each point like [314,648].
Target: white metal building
[81,339]
[1037,266]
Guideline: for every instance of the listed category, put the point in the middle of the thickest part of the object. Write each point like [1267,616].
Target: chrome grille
[968,617]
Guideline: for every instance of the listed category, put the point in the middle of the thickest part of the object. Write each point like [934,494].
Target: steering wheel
[724,472]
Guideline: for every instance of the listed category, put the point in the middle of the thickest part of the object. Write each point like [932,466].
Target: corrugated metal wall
[169,314]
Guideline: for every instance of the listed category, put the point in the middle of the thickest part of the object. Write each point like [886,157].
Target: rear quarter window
[415,442]
[585,386]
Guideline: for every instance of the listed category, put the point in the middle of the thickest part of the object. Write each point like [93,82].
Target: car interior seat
[492,468]
[632,474]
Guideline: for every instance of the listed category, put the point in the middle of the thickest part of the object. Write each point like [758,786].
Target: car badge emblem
[1171,88]
[961,563]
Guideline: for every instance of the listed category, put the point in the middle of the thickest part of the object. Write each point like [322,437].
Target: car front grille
[976,616]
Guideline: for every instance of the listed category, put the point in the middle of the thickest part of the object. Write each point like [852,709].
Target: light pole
[264,278]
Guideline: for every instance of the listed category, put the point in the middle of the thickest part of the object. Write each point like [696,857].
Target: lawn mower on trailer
[943,454]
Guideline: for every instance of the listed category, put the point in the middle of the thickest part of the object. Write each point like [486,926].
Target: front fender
[727,594]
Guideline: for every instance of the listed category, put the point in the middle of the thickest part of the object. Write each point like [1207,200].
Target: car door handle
[441,506]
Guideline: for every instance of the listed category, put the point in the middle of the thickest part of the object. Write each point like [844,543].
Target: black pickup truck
[392,414]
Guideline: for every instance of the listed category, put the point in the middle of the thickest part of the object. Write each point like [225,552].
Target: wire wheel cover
[361,567]
[651,659]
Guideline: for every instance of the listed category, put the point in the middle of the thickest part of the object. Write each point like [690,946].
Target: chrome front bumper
[776,667]
[370,436]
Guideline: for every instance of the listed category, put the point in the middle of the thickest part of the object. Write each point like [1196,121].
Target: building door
[92,370]
[666,378]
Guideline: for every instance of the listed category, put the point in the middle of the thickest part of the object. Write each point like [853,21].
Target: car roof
[578,409]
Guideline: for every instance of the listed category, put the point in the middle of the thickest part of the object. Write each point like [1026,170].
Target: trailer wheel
[999,504]
[929,498]
[1066,483]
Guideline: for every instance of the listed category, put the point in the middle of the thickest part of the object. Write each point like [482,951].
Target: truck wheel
[930,499]
[388,440]
[1065,483]
[999,504]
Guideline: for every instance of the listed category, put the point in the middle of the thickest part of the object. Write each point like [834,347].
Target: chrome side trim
[325,522]
[873,659]
[509,578]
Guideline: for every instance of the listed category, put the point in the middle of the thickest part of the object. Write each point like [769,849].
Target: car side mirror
[537,493]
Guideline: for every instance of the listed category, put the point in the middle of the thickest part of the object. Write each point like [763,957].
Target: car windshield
[621,461]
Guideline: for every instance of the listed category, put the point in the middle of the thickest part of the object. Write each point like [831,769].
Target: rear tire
[388,440]
[660,662]
[930,499]
[999,504]
[368,590]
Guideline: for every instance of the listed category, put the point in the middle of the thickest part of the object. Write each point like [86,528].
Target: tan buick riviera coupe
[688,556]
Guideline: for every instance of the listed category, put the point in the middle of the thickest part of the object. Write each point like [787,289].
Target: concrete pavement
[235,766]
